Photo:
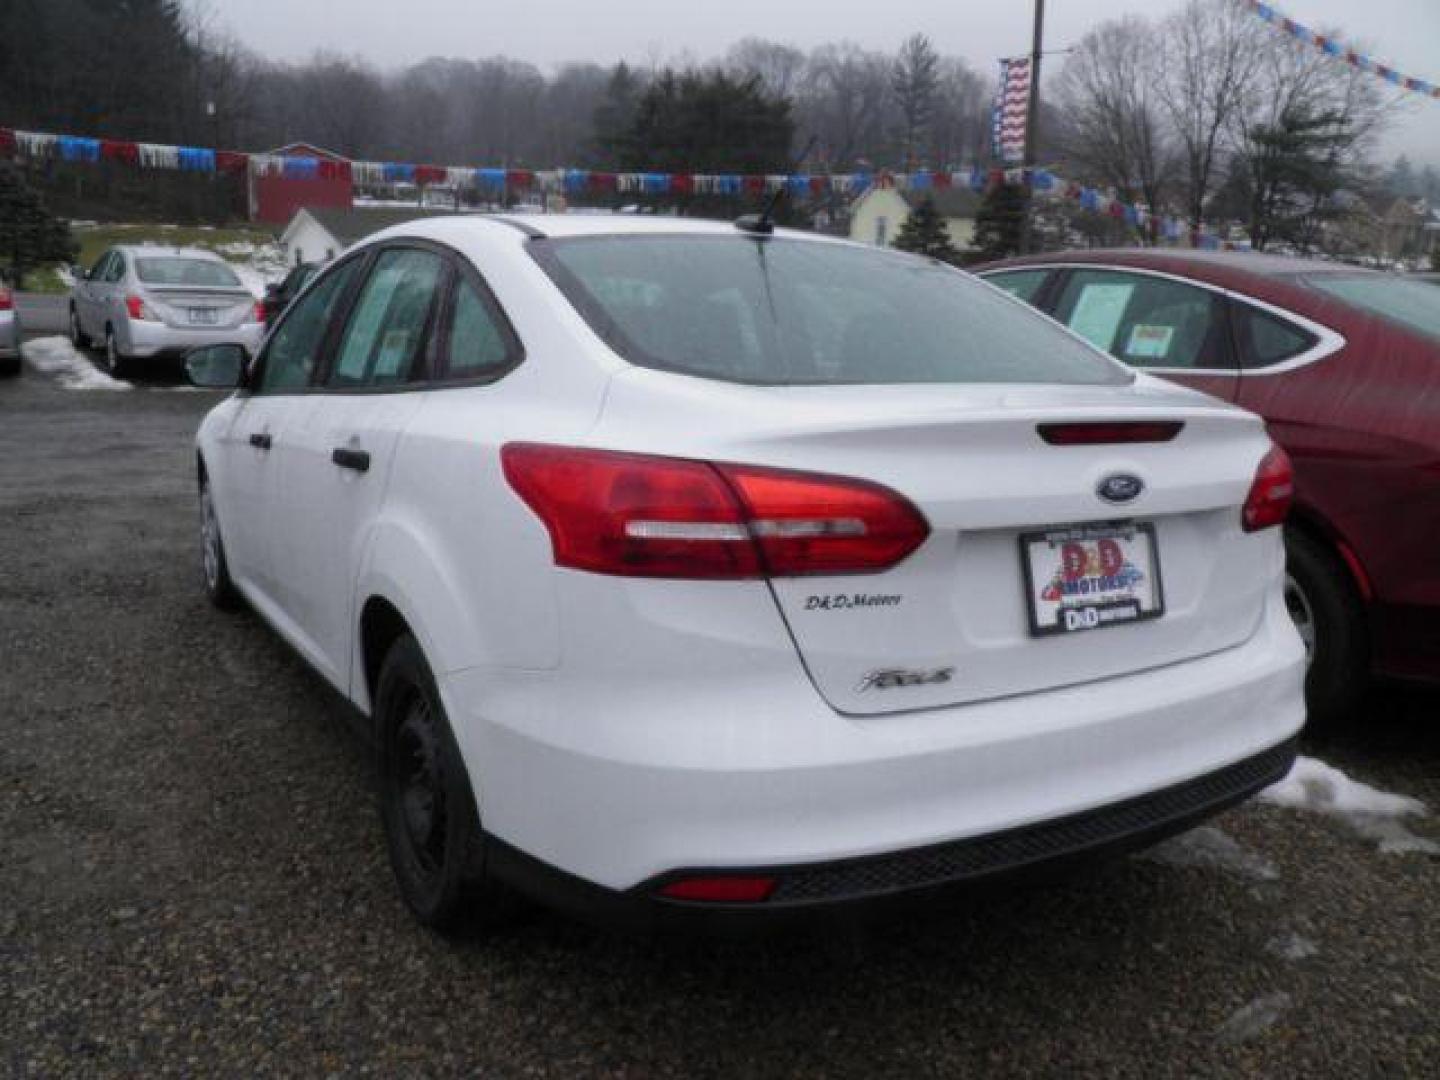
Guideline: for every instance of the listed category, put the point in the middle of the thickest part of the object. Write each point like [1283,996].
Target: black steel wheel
[432,826]
[1328,613]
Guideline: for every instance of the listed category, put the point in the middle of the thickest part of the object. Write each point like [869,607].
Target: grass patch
[95,240]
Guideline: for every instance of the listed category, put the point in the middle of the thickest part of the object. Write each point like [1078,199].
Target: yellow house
[876,217]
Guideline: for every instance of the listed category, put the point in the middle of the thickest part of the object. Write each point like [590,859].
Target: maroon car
[1344,365]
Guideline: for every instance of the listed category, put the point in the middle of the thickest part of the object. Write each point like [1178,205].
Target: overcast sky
[392,33]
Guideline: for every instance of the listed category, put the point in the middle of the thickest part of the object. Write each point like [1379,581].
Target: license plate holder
[1089,577]
[200,316]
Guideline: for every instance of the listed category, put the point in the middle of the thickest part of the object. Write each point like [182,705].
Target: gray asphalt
[192,879]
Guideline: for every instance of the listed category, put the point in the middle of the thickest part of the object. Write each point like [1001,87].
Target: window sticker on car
[1150,342]
[1098,312]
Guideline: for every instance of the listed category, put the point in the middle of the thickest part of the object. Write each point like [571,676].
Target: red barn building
[274,199]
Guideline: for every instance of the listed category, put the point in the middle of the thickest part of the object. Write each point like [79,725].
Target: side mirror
[216,367]
[273,290]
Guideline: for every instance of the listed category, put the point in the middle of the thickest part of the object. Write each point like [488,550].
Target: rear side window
[1148,322]
[1022,284]
[293,351]
[480,343]
[790,312]
[390,318]
[116,269]
[1265,339]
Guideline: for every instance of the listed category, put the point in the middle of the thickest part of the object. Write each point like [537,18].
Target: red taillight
[138,309]
[259,311]
[7,301]
[1271,493]
[720,890]
[1119,431]
[638,515]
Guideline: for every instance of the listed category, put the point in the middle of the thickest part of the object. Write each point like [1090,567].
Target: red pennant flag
[7,142]
[429,174]
[602,181]
[753,185]
[519,178]
[231,161]
[114,150]
[682,184]
[817,185]
[942,179]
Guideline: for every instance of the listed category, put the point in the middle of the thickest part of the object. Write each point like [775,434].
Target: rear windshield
[785,312]
[1403,300]
[177,271]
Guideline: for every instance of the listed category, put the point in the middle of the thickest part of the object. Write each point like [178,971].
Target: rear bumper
[885,885]
[9,335]
[146,340]
[621,788]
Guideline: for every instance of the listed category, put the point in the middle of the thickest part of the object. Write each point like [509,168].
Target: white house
[877,216]
[318,233]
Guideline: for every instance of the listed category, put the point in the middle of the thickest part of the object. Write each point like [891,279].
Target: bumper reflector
[720,890]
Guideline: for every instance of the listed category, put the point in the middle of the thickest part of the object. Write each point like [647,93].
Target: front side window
[294,349]
[387,327]
[102,264]
[790,312]
[1146,321]
[116,270]
[202,273]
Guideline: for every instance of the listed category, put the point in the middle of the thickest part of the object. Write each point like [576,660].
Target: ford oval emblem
[1120,488]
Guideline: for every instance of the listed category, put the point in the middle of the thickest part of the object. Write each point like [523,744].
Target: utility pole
[1032,124]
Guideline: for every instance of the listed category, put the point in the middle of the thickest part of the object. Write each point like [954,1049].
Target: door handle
[260,441]
[347,458]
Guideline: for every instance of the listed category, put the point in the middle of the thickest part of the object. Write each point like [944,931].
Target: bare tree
[777,66]
[843,101]
[960,128]
[1206,74]
[915,81]
[1114,127]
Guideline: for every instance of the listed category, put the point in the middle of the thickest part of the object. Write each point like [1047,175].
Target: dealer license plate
[1087,577]
[204,316]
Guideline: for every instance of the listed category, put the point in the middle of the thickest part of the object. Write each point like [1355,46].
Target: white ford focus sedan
[686,570]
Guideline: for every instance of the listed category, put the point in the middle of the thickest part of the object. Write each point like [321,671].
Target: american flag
[1012,106]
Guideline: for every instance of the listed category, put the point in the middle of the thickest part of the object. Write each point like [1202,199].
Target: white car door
[87,293]
[335,463]
[266,419]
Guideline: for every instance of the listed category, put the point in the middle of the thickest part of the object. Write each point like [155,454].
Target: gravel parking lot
[192,878]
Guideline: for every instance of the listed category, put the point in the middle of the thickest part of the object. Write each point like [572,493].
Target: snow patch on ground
[1254,1019]
[56,356]
[1213,849]
[1292,946]
[1374,814]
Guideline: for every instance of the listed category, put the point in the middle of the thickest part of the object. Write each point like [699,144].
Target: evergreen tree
[915,82]
[1000,221]
[1296,168]
[30,236]
[925,233]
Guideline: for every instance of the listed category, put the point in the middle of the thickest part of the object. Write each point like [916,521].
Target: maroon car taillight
[1271,492]
[638,515]
[7,300]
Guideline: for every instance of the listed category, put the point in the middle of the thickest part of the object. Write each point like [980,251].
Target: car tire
[1328,612]
[431,819]
[10,366]
[219,586]
[77,336]
[116,363]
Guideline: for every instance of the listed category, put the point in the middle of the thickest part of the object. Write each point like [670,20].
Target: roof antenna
[763,223]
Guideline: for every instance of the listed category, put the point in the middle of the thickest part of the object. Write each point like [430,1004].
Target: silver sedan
[140,303]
